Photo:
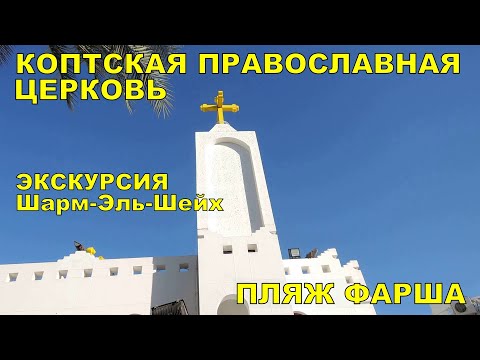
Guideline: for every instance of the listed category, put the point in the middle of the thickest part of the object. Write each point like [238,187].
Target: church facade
[237,248]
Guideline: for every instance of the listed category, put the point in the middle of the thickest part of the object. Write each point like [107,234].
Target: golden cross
[219,107]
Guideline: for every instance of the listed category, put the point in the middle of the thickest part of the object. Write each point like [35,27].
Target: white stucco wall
[326,268]
[125,293]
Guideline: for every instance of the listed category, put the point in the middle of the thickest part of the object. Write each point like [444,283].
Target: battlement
[325,263]
[326,268]
[83,265]
[81,283]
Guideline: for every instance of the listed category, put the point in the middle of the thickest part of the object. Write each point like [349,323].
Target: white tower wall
[229,166]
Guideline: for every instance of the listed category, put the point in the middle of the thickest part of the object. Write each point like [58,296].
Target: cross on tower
[219,107]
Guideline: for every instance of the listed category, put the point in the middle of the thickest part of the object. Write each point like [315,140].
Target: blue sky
[384,168]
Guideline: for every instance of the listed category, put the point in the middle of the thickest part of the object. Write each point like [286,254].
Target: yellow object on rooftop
[91,250]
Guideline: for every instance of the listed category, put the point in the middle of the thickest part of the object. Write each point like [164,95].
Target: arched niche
[229,306]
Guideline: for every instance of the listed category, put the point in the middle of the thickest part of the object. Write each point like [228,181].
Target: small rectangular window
[305,270]
[137,270]
[287,271]
[12,277]
[227,249]
[38,275]
[87,273]
[183,267]
[326,268]
[113,271]
[62,274]
[349,279]
[159,268]
[252,248]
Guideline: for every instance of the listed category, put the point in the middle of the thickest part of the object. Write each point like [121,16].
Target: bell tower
[238,244]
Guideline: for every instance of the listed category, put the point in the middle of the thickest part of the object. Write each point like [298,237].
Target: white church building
[238,245]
